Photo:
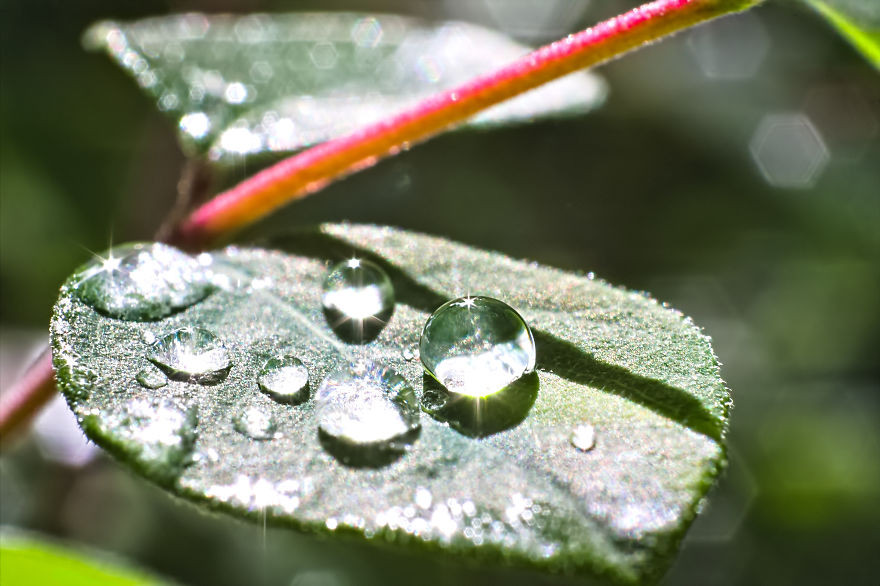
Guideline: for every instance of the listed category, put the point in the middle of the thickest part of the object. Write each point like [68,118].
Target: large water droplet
[583,437]
[160,433]
[285,379]
[476,346]
[192,355]
[367,414]
[358,300]
[140,282]
[255,423]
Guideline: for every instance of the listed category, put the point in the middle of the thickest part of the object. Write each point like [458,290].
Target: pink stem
[311,170]
[20,404]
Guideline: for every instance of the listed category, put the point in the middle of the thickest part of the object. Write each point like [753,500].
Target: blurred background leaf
[240,86]
[857,20]
[29,559]
[733,173]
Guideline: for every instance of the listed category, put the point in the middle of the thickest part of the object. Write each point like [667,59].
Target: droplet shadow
[354,330]
[480,417]
[373,455]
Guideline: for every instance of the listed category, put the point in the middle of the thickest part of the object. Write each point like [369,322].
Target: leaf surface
[238,86]
[514,490]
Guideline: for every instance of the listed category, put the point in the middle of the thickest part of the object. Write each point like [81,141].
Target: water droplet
[583,437]
[477,346]
[192,355]
[367,415]
[358,300]
[285,379]
[255,423]
[195,124]
[151,378]
[158,432]
[139,282]
[423,498]
[408,354]
[236,93]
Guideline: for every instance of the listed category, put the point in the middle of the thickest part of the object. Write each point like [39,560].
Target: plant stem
[313,169]
[19,404]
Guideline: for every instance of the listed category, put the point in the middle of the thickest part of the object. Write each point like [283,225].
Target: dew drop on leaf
[140,282]
[255,423]
[583,437]
[150,378]
[477,346]
[358,300]
[285,380]
[367,414]
[191,355]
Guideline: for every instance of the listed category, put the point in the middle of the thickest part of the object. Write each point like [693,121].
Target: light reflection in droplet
[240,141]
[236,93]
[196,124]
[583,437]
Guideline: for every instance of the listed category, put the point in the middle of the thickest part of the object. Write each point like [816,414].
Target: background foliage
[658,190]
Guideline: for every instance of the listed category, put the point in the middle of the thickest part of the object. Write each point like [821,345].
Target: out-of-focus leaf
[244,85]
[858,21]
[26,559]
[516,490]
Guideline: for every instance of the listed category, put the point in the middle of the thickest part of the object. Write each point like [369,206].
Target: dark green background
[655,191]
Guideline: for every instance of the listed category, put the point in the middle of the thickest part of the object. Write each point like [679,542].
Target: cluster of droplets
[367,414]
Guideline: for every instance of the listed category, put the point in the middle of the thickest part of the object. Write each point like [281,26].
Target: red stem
[19,404]
[311,170]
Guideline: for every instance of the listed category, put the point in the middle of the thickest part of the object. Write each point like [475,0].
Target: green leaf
[858,21]
[514,490]
[27,559]
[243,85]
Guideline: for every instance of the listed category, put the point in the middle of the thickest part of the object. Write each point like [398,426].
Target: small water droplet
[285,379]
[358,300]
[151,378]
[236,93]
[408,354]
[195,124]
[423,498]
[140,282]
[477,346]
[148,337]
[193,355]
[255,423]
[583,437]
[367,414]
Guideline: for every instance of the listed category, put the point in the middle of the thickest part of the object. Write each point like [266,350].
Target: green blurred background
[734,172]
